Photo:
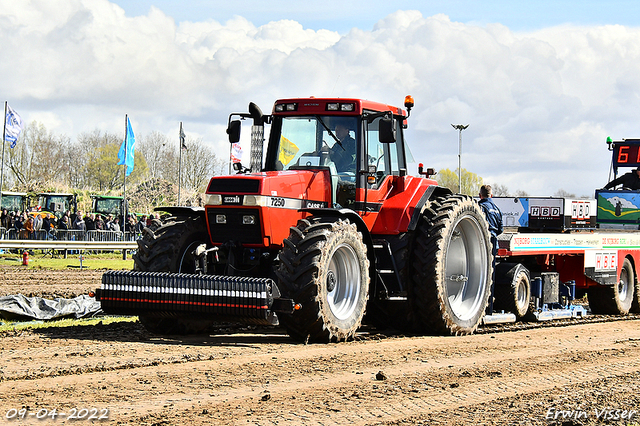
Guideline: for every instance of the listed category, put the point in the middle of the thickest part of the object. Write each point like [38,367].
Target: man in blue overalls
[493,215]
[494,219]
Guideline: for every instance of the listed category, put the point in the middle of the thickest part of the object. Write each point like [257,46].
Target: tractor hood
[291,189]
[259,209]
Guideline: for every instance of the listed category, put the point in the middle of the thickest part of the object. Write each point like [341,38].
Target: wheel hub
[465,268]
[331,281]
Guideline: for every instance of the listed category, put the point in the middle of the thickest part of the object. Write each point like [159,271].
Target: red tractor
[330,227]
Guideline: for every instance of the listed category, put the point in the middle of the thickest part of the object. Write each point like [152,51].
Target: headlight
[248,220]
[213,199]
[221,219]
[250,200]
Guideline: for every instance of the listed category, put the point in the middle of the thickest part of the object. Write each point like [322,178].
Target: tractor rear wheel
[168,247]
[635,306]
[616,299]
[324,267]
[451,264]
[512,289]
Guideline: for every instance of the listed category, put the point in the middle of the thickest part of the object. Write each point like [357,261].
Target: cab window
[384,156]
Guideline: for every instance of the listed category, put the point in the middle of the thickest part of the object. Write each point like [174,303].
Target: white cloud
[539,104]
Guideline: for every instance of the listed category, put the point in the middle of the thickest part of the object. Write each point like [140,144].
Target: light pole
[459,128]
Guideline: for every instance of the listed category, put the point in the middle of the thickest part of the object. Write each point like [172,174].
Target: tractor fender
[430,193]
[362,227]
[183,211]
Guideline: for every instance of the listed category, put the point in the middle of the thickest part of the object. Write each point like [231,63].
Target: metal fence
[68,241]
[68,235]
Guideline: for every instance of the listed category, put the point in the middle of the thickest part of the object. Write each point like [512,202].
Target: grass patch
[41,260]
[65,322]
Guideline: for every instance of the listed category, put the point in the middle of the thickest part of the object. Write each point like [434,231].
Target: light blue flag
[13,125]
[128,157]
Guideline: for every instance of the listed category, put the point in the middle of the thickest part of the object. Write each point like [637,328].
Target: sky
[541,84]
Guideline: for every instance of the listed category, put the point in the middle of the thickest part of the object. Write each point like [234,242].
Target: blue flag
[129,143]
[13,125]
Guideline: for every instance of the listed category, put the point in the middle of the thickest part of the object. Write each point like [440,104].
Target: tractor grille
[204,296]
[240,186]
[234,228]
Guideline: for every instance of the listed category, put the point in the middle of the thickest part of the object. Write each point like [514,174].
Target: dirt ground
[577,375]
[48,283]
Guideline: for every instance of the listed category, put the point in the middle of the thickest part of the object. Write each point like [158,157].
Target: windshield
[58,204]
[107,206]
[313,141]
[12,202]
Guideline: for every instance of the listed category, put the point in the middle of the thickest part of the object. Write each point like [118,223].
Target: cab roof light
[343,107]
[286,107]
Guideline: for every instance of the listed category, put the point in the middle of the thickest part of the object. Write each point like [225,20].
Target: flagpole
[4,133]
[124,171]
[180,162]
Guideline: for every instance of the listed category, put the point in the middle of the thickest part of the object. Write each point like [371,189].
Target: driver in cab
[343,153]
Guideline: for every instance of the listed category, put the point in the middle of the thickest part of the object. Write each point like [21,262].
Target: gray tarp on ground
[19,306]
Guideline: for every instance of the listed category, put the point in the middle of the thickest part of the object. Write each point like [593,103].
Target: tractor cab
[14,201]
[358,143]
[56,203]
[106,205]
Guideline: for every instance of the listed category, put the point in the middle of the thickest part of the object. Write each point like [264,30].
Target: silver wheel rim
[466,268]
[343,282]
[623,284]
[521,292]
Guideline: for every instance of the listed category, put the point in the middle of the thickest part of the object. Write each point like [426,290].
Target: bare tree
[38,158]
[20,158]
[499,190]
[199,163]
[561,193]
[156,149]
[49,158]
[42,161]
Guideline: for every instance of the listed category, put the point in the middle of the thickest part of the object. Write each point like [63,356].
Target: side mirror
[387,130]
[233,130]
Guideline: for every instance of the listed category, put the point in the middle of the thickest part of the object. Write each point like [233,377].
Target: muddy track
[239,376]
[251,378]
[48,283]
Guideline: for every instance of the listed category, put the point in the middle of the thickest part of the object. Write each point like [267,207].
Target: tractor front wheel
[324,267]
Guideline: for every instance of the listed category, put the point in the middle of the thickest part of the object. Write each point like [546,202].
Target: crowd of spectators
[28,224]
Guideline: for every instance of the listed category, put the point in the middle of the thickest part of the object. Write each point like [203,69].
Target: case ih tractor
[331,226]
